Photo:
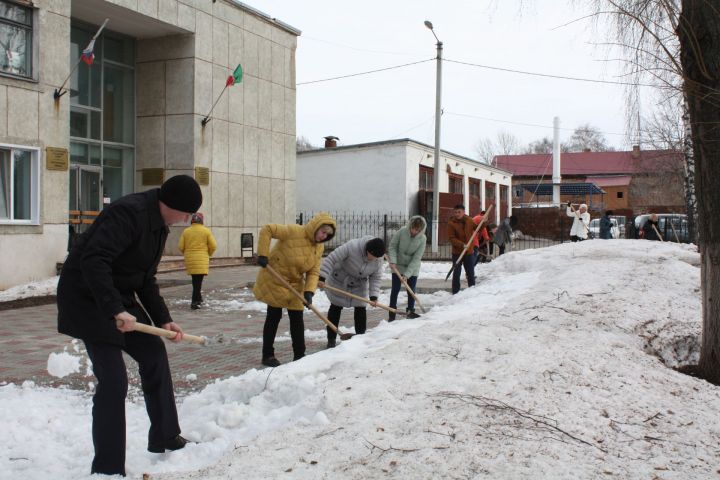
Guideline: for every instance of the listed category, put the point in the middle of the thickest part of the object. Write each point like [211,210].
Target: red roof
[589,163]
[614,181]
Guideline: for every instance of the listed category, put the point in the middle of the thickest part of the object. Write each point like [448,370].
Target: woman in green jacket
[406,250]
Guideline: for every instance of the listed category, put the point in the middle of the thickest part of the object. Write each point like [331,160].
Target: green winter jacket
[406,251]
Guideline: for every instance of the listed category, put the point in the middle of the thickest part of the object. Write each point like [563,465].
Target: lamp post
[436,167]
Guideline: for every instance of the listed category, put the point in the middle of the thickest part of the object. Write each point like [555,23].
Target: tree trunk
[690,195]
[699,33]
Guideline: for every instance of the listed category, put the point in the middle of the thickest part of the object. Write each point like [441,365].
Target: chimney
[331,142]
[635,151]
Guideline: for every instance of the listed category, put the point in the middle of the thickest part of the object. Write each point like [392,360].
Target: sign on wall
[202,175]
[153,176]
[56,158]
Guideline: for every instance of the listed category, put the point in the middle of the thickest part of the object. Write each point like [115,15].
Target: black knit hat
[181,193]
[375,247]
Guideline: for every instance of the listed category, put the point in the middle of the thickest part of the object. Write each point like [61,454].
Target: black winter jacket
[112,262]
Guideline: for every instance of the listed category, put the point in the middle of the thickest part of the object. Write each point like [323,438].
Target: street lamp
[436,168]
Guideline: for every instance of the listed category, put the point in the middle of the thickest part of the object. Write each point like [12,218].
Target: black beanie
[181,193]
[375,247]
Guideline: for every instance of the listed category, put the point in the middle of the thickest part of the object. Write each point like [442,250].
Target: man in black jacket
[108,284]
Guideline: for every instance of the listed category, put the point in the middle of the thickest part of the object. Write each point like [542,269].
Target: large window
[474,185]
[15,39]
[102,120]
[19,185]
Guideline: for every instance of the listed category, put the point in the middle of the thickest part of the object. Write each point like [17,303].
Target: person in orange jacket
[481,240]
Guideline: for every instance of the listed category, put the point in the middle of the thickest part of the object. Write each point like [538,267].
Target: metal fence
[385,225]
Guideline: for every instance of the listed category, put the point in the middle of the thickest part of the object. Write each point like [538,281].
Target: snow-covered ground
[44,287]
[549,368]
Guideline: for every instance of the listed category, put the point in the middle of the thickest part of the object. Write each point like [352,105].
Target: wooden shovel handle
[161,332]
[312,307]
[362,299]
[405,284]
[657,232]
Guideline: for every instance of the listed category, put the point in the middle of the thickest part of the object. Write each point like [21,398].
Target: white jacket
[580,223]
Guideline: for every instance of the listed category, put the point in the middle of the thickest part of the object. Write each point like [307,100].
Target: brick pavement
[232,320]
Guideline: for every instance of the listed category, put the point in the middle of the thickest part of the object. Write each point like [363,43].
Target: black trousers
[359,315]
[468,263]
[108,412]
[297,332]
[197,288]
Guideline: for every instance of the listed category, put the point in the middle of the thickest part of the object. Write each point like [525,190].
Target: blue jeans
[468,263]
[395,290]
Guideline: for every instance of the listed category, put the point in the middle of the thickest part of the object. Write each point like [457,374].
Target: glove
[321,279]
[373,299]
[308,297]
[568,204]
[262,261]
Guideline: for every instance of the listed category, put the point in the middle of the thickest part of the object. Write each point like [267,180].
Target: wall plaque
[202,175]
[153,176]
[56,158]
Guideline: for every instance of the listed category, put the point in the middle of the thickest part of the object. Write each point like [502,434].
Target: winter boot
[194,306]
[391,316]
[175,443]
[271,362]
[331,343]
[411,313]
[298,357]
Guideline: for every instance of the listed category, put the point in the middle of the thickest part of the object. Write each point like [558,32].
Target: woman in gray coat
[355,267]
[503,234]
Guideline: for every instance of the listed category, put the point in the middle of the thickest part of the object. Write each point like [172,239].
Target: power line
[366,73]
[547,75]
[521,123]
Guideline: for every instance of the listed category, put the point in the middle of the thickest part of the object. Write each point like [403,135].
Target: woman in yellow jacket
[296,257]
[197,245]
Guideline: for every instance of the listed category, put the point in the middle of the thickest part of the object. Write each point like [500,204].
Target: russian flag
[88,56]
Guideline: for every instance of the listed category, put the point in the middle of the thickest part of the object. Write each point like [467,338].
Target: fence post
[385,239]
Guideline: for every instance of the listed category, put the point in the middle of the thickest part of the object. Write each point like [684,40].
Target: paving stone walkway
[232,319]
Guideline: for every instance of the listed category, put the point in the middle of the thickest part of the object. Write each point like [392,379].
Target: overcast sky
[340,38]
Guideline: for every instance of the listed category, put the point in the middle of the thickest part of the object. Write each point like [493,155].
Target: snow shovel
[467,245]
[404,282]
[674,232]
[286,284]
[161,332]
[362,299]
[657,233]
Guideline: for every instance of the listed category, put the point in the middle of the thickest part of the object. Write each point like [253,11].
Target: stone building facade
[134,117]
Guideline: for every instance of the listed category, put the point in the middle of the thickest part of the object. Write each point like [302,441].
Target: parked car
[672,226]
[617,230]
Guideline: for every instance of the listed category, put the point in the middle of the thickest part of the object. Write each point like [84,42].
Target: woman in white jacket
[581,220]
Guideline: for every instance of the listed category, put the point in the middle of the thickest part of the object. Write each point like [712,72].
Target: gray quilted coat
[349,269]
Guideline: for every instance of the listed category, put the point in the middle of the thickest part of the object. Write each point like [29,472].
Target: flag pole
[207,117]
[59,91]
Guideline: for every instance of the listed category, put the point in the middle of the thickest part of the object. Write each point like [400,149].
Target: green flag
[236,77]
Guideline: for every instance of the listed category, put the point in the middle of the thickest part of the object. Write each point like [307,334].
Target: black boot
[175,443]
[271,362]
[411,313]
[331,343]
[195,305]
[391,316]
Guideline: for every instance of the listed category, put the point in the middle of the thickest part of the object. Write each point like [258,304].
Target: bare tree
[302,144]
[505,143]
[544,145]
[587,138]
[675,44]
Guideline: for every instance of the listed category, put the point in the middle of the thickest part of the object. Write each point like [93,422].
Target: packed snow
[556,365]
[41,288]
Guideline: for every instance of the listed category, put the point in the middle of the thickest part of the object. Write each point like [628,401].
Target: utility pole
[438,115]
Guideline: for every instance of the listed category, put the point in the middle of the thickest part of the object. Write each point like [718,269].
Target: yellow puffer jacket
[296,256]
[197,244]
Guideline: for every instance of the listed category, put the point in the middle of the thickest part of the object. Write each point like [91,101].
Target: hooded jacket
[348,268]
[296,257]
[406,251]
[197,245]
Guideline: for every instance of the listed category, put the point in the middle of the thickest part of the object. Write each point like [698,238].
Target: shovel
[657,233]
[286,284]
[404,282]
[161,332]
[362,299]
[467,245]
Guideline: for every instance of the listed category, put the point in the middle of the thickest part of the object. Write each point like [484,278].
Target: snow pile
[62,364]
[540,371]
[34,289]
